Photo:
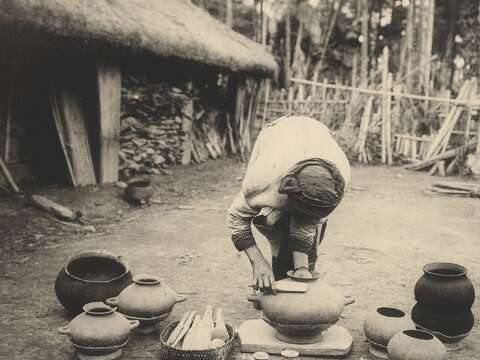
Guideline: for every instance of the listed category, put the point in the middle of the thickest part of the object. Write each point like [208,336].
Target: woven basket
[172,353]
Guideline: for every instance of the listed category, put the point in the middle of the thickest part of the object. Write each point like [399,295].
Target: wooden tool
[288,285]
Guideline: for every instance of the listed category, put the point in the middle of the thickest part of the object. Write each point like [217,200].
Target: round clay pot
[139,190]
[416,345]
[445,286]
[91,276]
[381,325]
[146,298]
[320,304]
[449,327]
[100,326]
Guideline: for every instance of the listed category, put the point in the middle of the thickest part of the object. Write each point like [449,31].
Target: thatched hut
[61,63]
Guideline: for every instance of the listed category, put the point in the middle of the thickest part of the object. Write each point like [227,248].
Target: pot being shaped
[445,286]
[320,304]
[91,276]
[449,327]
[380,326]
[99,327]
[146,298]
[416,345]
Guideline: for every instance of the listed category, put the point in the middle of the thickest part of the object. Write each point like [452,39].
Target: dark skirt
[282,263]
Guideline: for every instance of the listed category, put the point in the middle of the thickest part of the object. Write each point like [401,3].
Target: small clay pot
[380,326]
[91,276]
[147,300]
[416,345]
[99,327]
[139,190]
[445,286]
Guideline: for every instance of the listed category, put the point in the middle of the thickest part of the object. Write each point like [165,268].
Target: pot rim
[100,254]
[395,313]
[422,334]
[146,280]
[87,308]
[431,267]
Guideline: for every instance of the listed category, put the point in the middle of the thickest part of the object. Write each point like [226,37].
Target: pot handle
[180,298]
[253,298]
[65,330]
[134,324]
[113,301]
[349,300]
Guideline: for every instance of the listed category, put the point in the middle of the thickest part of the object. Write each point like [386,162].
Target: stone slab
[256,335]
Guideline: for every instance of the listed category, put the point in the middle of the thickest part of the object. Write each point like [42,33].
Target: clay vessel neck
[390,312]
[98,309]
[445,270]
[146,280]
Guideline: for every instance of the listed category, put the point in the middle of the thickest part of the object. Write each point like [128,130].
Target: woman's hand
[263,278]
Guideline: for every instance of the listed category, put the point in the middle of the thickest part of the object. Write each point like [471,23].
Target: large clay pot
[448,327]
[100,330]
[301,317]
[148,300]
[91,276]
[445,286]
[139,190]
[416,345]
[381,325]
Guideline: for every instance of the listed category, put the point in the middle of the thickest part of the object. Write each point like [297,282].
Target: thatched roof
[168,28]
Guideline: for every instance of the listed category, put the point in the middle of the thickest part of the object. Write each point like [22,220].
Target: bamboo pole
[380,92]
[364,61]
[8,118]
[324,99]
[384,103]
[388,128]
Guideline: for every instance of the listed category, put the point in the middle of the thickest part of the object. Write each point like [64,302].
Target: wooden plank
[187,125]
[8,176]
[109,82]
[57,119]
[267,95]
[388,129]
[74,127]
[384,104]
[52,207]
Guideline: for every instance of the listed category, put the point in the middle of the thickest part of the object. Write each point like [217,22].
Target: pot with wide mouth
[99,330]
[302,317]
[147,300]
[381,325]
[91,276]
[415,345]
[445,286]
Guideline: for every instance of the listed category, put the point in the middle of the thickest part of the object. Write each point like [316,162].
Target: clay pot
[139,190]
[320,304]
[100,326]
[416,345]
[447,326]
[91,276]
[147,300]
[381,325]
[301,315]
[445,286]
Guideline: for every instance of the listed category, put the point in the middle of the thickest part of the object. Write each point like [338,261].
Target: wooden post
[239,114]
[229,13]
[109,80]
[388,129]
[265,104]
[8,176]
[187,125]
[384,103]
[364,60]
[324,100]
[287,59]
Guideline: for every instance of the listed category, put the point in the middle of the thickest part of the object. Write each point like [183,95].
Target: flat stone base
[257,335]
[110,356]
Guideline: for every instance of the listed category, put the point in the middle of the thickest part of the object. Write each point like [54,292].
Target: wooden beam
[187,125]
[8,176]
[109,82]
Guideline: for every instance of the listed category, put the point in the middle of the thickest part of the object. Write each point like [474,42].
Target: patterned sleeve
[239,219]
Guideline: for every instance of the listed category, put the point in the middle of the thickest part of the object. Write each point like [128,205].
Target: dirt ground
[374,249]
